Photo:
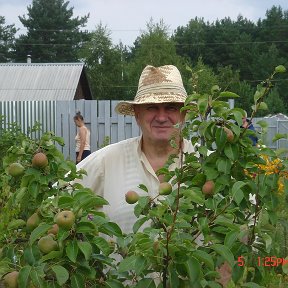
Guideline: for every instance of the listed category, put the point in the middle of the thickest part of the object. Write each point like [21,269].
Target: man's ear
[135,112]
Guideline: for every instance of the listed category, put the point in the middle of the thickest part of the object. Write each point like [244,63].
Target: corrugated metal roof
[39,81]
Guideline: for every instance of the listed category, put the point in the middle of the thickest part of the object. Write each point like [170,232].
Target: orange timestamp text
[267,261]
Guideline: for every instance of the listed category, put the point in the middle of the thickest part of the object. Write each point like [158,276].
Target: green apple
[131,197]
[47,244]
[39,160]
[208,188]
[65,219]
[33,221]
[11,279]
[165,188]
[15,169]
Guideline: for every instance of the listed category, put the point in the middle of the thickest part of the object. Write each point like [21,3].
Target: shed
[43,82]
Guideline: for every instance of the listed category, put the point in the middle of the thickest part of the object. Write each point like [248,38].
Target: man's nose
[162,114]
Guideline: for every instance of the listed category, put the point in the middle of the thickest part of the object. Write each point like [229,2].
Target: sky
[126,19]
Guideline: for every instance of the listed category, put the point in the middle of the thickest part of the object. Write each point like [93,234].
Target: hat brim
[126,107]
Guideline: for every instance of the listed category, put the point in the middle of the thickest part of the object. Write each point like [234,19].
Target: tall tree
[152,47]
[191,39]
[53,35]
[105,63]
[7,37]
[274,30]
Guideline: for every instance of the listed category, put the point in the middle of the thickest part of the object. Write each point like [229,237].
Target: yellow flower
[274,167]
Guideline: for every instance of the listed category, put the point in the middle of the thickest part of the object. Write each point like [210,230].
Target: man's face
[157,120]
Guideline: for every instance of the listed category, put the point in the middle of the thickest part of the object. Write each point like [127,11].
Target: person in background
[246,123]
[120,167]
[82,138]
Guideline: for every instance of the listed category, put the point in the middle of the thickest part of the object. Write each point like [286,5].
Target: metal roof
[39,81]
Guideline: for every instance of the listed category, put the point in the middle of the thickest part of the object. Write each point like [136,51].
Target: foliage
[10,136]
[103,59]
[81,255]
[220,239]
[252,48]
[7,37]
[152,47]
[52,34]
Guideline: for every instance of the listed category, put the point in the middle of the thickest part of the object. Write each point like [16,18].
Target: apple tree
[52,232]
[218,227]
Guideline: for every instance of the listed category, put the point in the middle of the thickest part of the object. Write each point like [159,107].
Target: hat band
[160,90]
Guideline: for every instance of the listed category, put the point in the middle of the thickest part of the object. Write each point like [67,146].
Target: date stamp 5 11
[268,261]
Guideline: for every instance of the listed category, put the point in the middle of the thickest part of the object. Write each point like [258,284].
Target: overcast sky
[127,18]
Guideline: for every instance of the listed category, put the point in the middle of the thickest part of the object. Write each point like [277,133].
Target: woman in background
[82,138]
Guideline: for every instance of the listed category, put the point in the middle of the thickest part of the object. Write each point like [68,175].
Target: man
[117,168]
[247,124]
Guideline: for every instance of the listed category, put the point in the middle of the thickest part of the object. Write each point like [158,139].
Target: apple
[208,188]
[47,244]
[54,229]
[39,160]
[15,169]
[131,197]
[165,188]
[33,221]
[65,219]
[229,133]
[11,279]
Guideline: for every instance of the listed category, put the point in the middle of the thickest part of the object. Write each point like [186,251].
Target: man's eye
[151,108]
[172,108]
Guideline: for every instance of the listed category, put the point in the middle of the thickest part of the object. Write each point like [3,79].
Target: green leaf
[278,136]
[143,201]
[221,138]
[194,195]
[224,165]
[38,232]
[37,278]
[113,283]
[143,187]
[202,104]
[230,238]
[51,255]
[285,266]
[268,241]
[193,270]
[227,94]
[103,245]
[204,257]
[61,273]
[91,202]
[238,114]
[198,180]
[65,202]
[140,264]
[263,106]
[146,283]
[257,95]
[224,252]
[24,276]
[77,281]
[111,229]
[173,276]
[139,223]
[72,250]
[127,264]
[85,227]
[251,285]
[231,151]
[85,248]
[280,69]
[15,224]
[29,255]
[237,192]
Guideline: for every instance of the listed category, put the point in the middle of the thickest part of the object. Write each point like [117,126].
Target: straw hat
[156,85]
